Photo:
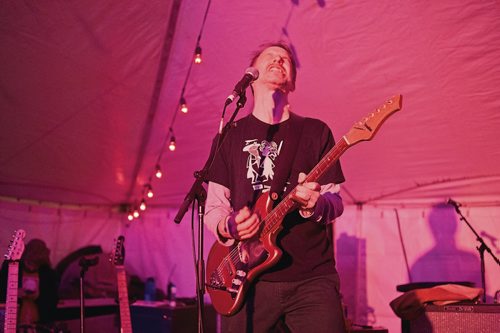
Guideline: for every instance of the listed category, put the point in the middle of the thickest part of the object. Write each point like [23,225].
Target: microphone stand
[84,264]
[481,248]
[198,193]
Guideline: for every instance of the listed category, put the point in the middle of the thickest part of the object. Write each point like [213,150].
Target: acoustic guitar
[14,253]
[231,269]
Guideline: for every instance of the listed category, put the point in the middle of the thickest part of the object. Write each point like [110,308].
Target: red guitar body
[243,262]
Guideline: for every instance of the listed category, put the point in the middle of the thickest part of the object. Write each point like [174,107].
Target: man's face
[275,68]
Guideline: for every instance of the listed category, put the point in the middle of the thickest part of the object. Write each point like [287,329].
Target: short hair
[285,47]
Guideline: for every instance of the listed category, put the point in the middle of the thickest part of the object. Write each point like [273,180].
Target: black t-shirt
[246,164]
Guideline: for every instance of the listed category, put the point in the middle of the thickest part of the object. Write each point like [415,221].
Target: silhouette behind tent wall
[445,262]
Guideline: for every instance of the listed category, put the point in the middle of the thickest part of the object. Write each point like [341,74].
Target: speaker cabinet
[464,318]
[157,317]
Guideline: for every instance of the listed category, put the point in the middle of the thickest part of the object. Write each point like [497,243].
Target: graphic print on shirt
[260,162]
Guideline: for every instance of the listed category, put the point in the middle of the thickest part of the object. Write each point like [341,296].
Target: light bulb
[143,205]
[158,172]
[184,108]
[197,55]
[149,192]
[171,146]
[183,105]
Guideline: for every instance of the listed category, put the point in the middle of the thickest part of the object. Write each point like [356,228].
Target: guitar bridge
[217,287]
[231,291]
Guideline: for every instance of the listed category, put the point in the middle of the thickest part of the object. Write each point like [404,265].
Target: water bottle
[150,290]
[171,294]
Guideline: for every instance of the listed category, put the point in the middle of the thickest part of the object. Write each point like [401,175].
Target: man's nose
[279,60]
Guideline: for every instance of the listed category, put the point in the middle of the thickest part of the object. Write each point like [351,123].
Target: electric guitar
[231,269]
[14,253]
[118,257]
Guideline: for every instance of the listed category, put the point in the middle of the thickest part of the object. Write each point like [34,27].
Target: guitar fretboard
[274,219]
[126,323]
[11,300]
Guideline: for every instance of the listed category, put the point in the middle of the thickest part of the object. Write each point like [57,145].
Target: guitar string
[284,206]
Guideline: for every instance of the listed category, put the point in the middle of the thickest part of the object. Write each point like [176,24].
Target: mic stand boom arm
[197,188]
[198,193]
[481,248]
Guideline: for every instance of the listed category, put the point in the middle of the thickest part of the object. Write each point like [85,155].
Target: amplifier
[456,318]
[159,317]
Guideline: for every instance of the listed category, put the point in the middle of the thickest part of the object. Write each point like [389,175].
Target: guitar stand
[84,263]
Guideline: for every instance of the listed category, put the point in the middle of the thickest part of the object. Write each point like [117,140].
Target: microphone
[251,74]
[453,203]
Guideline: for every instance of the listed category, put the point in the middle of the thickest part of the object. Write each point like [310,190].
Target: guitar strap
[287,157]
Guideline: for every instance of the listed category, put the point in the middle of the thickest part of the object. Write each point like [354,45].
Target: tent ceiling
[88,92]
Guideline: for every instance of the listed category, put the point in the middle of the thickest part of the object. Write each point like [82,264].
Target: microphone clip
[453,203]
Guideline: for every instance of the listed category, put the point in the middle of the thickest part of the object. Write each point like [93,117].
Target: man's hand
[306,194]
[240,225]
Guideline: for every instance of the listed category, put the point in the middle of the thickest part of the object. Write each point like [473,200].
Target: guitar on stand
[14,253]
[118,258]
[231,269]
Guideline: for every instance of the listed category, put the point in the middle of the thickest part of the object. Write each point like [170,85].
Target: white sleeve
[217,208]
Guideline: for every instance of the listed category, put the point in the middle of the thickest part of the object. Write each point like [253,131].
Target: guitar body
[232,269]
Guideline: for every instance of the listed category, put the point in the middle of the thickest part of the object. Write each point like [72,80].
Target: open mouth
[276,68]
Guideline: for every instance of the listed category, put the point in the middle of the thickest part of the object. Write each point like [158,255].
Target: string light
[183,105]
[169,137]
[197,55]
[149,191]
[158,172]
[171,145]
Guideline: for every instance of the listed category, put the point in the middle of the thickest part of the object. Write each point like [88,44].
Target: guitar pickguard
[233,270]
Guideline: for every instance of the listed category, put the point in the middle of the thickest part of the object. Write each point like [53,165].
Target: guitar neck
[126,323]
[274,219]
[11,300]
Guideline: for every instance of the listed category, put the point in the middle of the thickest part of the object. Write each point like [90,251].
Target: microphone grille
[254,72]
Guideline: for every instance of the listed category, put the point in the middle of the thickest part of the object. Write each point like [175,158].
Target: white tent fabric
[88,91]
[370,249]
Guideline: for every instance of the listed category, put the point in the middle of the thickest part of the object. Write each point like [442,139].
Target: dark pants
[311,305]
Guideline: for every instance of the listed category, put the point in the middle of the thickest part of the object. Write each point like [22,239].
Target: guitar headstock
[16,246]
[366,128]
[118,254]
